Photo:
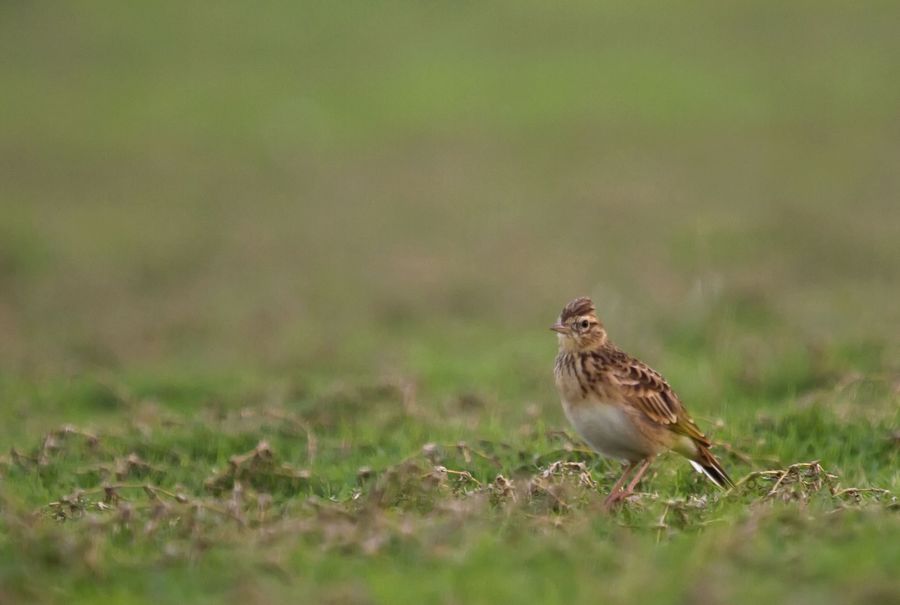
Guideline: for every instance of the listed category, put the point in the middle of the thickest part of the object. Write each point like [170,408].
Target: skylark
[620,406]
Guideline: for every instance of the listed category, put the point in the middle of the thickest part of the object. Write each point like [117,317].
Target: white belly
[607,429]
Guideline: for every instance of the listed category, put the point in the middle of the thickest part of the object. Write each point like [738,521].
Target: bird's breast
[608,428]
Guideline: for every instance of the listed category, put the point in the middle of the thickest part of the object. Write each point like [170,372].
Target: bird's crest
[578,307]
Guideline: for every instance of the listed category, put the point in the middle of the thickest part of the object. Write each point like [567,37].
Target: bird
[620,406]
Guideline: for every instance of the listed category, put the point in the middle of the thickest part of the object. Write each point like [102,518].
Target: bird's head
[578,328]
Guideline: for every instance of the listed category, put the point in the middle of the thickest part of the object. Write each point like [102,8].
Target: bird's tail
[710,466]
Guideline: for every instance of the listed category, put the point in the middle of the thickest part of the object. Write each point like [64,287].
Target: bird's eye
[584,324]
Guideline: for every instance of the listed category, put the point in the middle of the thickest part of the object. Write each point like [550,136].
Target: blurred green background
[200,201]
[256,185]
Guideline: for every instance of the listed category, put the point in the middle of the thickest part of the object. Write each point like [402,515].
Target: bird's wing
[644,388]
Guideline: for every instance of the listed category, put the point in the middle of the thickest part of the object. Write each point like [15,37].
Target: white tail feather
[703,471]
[709,476]
[699,469]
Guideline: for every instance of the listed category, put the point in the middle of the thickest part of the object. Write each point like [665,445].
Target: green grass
[275,284]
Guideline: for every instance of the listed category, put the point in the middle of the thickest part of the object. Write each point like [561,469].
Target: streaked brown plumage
[619,405]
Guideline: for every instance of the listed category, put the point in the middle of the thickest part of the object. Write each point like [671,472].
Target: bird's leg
[621,480]
[614,493]
[637,477]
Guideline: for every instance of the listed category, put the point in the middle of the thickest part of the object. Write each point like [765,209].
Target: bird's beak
[561,328]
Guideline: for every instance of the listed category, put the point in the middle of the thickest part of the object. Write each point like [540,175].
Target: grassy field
[275,285]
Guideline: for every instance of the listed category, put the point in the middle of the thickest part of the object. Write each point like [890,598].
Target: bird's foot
[614,499]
